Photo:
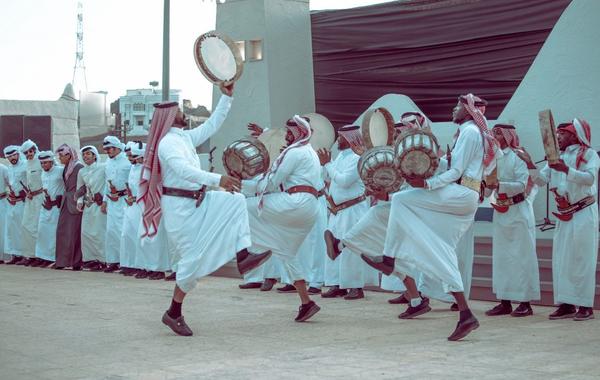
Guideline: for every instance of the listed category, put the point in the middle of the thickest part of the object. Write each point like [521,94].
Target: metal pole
[165,78]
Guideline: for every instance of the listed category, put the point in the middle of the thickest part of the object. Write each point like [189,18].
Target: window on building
[140,122]
[138,107]
[255,53]
[127,107]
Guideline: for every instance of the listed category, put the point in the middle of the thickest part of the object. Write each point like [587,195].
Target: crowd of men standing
[59,212]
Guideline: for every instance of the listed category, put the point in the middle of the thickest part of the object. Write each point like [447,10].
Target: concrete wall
[281,84]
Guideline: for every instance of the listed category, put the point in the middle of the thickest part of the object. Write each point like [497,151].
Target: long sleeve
[285,169]
[181,167]
[465,149]
[542,177]
[519,182]
[346,177]
[580,177]
[81,188]
[203,132]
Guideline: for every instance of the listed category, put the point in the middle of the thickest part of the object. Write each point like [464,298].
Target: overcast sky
[122,45]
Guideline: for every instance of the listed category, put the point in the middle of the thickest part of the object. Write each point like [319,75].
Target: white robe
[117,171]
[575,245]
[204,238]
[313,251]
[426,225]
[346,185]
[14,216]
[53,183]
[32,207]
[93,220]
[286,219]
[3,210]
[132,217]
[514,258]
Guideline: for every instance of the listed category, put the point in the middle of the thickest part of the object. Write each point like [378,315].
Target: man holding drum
[573,180]
[427,222]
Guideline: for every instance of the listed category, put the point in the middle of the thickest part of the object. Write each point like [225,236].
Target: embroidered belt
[303,189]
[321,193]
[114,196]
[335,208]
[35,192]
[471,183]
[566,211]
[198,195]
[49,203]
[503,202]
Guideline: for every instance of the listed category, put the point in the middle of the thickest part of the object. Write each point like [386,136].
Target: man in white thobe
[347,204]
[427,222]
[515,272]
[205,229]
[3,210]
[17,176]
[117,173]
[285,210]
[573,180]
[54,188]
[33,202]
[91,181]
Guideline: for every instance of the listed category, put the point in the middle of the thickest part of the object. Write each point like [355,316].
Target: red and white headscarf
[151,178]
[489,142]
[580,129]
[509,133]
[415,120]
[300,129]
[66,149]
[351,133]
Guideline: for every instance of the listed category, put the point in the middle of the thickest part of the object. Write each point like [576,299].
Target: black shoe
[313,290]
[523,310]
[500,309]
[564,311]
[401,299]
[247,261]
[415,311]
[157,276]
[250,285]
[23,261]
[171,277]
[112,268]
[34,263]
[287,289]
[131,272]
[268,284]
[14,260]
[178,325]
[76,268]
[355,294]
[56,267]
[334,292]
[584,314]
[384,264]
[332,243]
[307,311]
[142,274]
[45,263]
[98,267]
[1,262]
[454,307]
[464,328]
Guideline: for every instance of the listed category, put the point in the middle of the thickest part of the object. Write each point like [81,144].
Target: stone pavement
[72,325]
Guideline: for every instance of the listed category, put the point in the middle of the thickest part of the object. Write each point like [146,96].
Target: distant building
[136,109]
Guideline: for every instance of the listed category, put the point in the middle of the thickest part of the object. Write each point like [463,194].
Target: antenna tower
[79,68]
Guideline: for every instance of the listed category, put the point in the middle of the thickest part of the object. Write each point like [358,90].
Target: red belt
[3,195]
[114,196]
[303,189]
[334,208]
[503,202]
[566,210]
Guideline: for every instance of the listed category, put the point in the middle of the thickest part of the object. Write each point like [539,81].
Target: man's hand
[416,182]
[255,129]
[324,156]
[103,207]
[378,194]
[80,206]
[560,166]
[226,88]
[230,183]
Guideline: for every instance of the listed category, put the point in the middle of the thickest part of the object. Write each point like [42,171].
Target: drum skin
[378,127]
[416,154]
[228,58]
[246,158]
[377,170]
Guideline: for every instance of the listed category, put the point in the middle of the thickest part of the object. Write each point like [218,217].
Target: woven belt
[510,201]
[577,206]
[198,195]
[335,208]
[303,189]
[471,183]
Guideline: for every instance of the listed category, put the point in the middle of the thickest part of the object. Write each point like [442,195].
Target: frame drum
[549,140]
[416,154]
[377,128]
[377,170]
[218,58]
[323,133]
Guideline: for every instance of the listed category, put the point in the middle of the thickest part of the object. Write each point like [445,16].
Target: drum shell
[246,158]
[416,154]
[377,170]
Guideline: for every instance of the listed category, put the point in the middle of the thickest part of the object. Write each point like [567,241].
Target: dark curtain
[430,50]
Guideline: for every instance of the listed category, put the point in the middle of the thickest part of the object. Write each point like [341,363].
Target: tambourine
[218,58]
[378,128]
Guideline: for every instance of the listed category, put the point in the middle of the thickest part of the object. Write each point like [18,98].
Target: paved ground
[67,325]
